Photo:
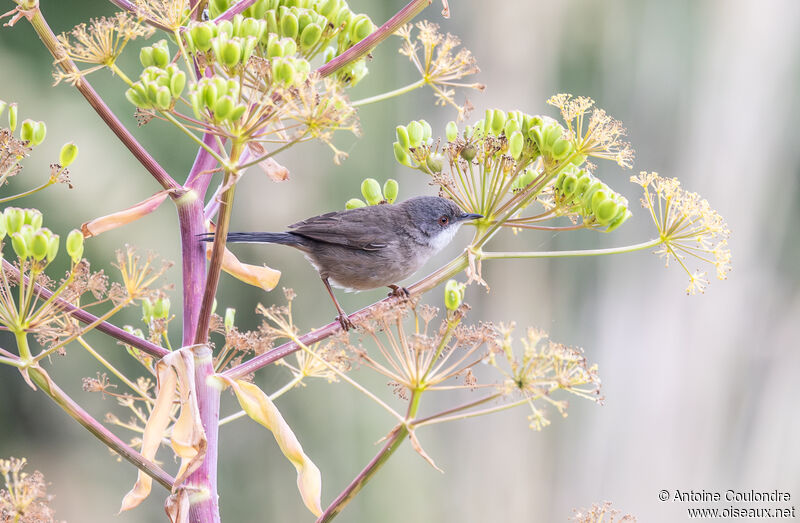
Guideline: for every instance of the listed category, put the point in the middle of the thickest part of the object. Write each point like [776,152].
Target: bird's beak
[471,216]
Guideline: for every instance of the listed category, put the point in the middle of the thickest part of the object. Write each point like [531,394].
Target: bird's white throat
[441,240]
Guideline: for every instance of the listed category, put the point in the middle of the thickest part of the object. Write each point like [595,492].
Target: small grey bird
[369,247]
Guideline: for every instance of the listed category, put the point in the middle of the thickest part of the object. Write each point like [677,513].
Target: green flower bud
[451,131]
[224,107]
[210,94]
[237,112]
[250,44]
[330,9]
[52,247]
[415,133]
[161,56]
[177,83]
[401,155]
[402,136]
[14,218]
[135,97]
[622,215]
[453,294]
[3,106]
[12,117]
[511,127]
[498,121]
[67,155]
[146,56]
[33,218]
[2,227]
[283,71]
[225,27]
[360,27]
[606,211]
[344,17]
[229,53]
[230,315]
[434,162]
[75,245]
[19,245]
[163,99]
[26,132]
[487,119]
[147,310]
[390,190]
[38,245]
[561,149]
[354,203]
[515,143]
[39,132]
[197,106]
[289,26]
[371,190]
[272,21]
[202,35]
[161,308]
[427,132]
[310,36]
[569,185]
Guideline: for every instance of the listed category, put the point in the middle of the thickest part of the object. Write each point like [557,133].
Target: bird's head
[437,218]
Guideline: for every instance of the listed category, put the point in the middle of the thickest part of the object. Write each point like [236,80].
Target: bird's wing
[352,228]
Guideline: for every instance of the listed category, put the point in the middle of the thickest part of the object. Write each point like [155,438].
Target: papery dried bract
[117,219]
[260,408]
[263,277]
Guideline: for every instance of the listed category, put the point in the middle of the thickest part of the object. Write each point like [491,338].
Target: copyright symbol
[663,495]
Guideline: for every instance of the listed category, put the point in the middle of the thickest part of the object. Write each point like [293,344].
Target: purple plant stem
[128,6]
[234,10]
[363,47]
[273,355]
[88,318]
[193,252]
[67,65]
[206,509]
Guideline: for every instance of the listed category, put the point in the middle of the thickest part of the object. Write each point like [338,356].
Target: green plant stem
[393,442]
[194,138]
[119,72]
[27,193]
[49,387]
[390,94]
[105,363]
[218,248]
[14,362]
[568,254]
[440,415]
[22,347]
[473,414]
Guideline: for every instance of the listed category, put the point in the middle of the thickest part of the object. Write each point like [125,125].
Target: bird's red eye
[444,220]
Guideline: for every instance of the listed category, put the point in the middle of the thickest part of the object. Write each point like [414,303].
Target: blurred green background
[698,389]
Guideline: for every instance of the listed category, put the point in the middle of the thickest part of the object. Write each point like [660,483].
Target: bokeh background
[700,392]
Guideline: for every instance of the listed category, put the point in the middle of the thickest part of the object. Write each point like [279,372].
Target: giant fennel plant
[245,81]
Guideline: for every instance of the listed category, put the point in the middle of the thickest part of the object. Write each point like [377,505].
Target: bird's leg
[344,321]
[400,292]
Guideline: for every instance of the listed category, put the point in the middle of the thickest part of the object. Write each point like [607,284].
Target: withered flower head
[600,136]
[687,225]
[25,498]
[11,152]
[439,65]
[601,513]
[100,42]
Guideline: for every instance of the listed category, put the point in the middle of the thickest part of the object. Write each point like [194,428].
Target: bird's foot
[399,292]
[345,322]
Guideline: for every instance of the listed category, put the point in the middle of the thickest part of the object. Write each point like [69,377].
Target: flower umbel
[25,497]
[602,135]
[545,366]
[439,65]
[100,43]
[601,513]
[687,225]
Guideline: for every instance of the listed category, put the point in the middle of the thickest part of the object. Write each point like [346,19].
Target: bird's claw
[399,292]
[345,322]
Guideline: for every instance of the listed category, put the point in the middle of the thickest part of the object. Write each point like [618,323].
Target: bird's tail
[284,238]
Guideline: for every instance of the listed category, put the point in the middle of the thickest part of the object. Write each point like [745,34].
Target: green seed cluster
[217,97]
[32,131]
[453,294]
[413,141]
[157,309]
[371,190]
[28,238]
[316,26]
[161,83]
[594,200]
